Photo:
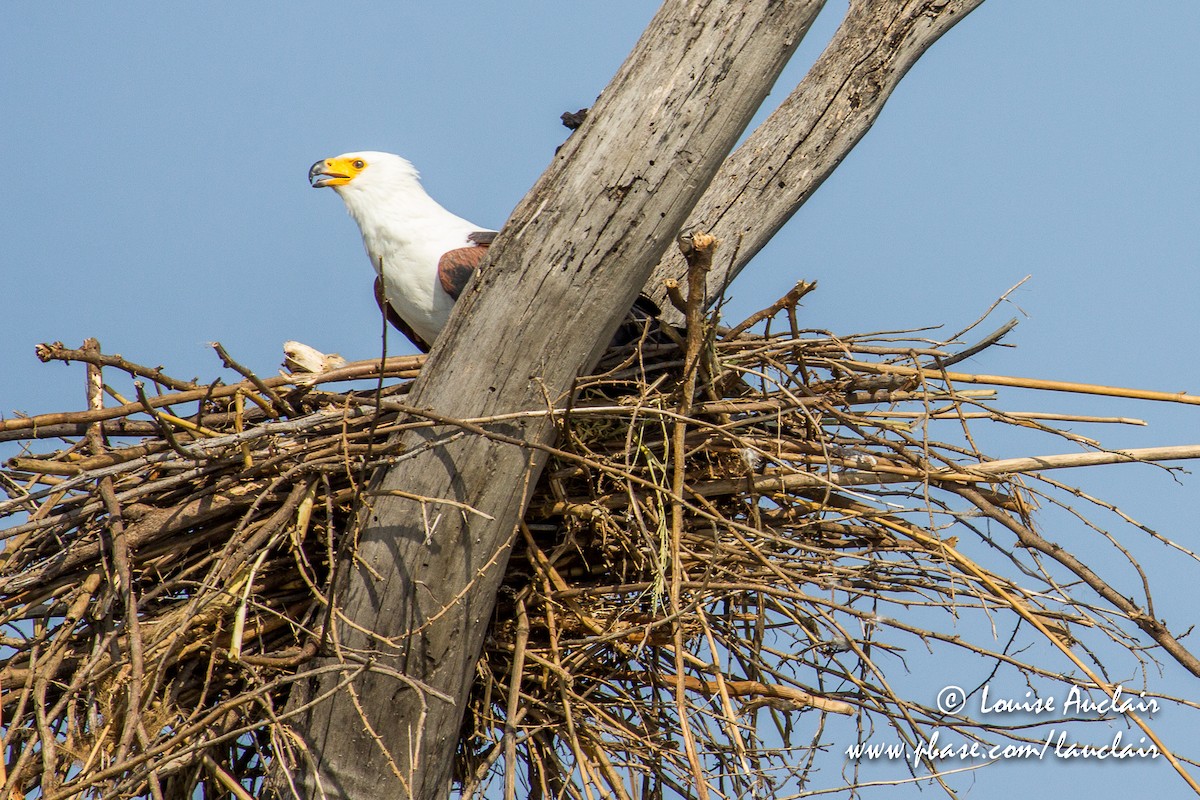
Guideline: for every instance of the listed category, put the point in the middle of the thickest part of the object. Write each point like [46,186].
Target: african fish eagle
[423,255]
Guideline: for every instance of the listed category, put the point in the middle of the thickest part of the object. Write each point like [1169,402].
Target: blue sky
[155,198]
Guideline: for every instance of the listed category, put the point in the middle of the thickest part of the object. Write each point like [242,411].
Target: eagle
[423,255]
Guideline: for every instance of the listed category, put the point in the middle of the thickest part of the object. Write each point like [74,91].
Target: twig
[1023,383]
[1065,460]
[514,701]
[789,300]
[423,500]
[56,351]
[281,406]
[698,249]
[992,338]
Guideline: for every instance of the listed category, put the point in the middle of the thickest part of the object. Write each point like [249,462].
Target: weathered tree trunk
[586,237]
[418,598]
[763,183]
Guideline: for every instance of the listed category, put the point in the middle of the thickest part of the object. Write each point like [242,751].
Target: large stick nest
[666,613]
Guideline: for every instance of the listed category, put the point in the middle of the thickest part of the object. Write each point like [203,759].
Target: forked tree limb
[1142,617]
[561,276]
[766,180]
[419,594]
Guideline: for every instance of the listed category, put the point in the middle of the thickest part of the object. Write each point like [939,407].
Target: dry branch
[787,158]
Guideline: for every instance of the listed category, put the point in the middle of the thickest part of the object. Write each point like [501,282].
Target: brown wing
[397,322]
[456,267]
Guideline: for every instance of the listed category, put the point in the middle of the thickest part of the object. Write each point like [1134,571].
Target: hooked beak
[323,174]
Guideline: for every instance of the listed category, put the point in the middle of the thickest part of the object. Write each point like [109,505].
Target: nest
[717,565]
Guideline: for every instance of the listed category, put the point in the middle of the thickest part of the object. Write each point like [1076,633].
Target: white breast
[405,233]
[410,279]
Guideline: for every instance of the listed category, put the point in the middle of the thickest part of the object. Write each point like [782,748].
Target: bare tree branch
[562,275]
[774,172]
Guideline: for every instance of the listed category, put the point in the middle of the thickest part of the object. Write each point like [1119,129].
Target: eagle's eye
[359,163]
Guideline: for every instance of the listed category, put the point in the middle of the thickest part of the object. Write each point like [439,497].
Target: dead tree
[587,237]
[418,594]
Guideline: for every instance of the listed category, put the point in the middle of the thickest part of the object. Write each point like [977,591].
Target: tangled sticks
[734,535]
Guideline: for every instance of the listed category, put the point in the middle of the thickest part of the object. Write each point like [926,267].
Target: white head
[367,173]
[383,193]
